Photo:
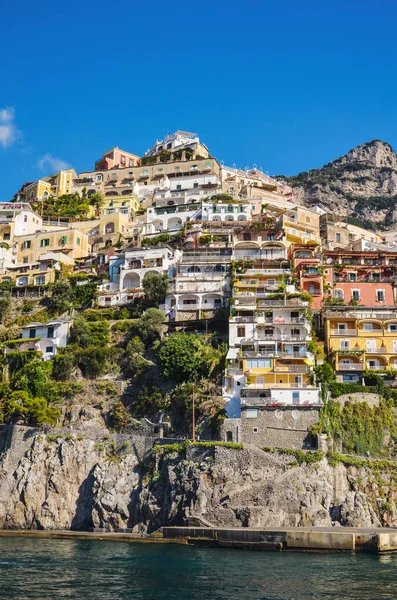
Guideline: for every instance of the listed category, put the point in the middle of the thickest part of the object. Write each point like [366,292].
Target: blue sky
[286,84]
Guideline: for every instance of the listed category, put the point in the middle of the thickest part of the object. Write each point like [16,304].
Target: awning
[232,354]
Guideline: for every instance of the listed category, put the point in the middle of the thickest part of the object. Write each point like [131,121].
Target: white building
[46,338]
[127,272]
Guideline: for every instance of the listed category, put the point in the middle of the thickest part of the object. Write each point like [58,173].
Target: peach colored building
[366,278]
[116,158]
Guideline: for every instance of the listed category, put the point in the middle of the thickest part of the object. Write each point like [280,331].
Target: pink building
[116,159]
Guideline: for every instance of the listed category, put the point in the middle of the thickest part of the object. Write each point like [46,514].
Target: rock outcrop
[361,185]
[73,482]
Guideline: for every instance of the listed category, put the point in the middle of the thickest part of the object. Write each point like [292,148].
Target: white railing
[344,332]
[350,367]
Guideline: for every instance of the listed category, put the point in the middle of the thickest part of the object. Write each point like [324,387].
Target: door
[371,346]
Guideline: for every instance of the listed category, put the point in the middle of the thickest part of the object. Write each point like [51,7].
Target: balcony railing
[273,354]
[294,386]
[350,367]
[291,369]
[344,332]
[379,350]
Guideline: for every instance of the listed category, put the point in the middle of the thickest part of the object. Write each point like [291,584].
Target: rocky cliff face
[63,483]
[361,185]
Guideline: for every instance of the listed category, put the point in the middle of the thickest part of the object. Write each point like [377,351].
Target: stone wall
[281,427]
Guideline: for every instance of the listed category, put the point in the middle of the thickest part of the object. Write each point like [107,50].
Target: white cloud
[51,163]
[8,130]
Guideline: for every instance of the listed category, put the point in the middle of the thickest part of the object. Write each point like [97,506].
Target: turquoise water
[52,569]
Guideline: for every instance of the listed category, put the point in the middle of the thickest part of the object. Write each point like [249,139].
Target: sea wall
[58,480]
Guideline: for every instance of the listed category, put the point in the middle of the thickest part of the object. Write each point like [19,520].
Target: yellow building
[70,241]
[61,182]
[361,339]
[43,271]
[301,226]
[54,185]
[38,190]
[126,204]
[269,338]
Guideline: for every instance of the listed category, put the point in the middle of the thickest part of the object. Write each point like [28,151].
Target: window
[251,413]
[179,186]
[32,333]
[231,190]
[25,218]
[393,327]
[98,177]
[208,165]
[50,332]
[240,331]
[380,295]
[189,301]
[122,160]
[40,280]
[49,349]
[259,363]
[368,327]
[131,163]
[177,169]
[355,294]
[246,236]
[145,171]
[78,241]
[376,277]
[44,242]
[64,239]
[254,430]
[295,397]
[25,259]
[26,244]
[6,236]
[352,277]
[195,185]
[338,293]
[345,344]
[337,237]
[160,170]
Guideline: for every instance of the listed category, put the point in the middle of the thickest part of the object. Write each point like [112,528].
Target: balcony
[379,350]
[291,369]
[274,354]
[283,337]
[350,367]
[344,332]
[270,386]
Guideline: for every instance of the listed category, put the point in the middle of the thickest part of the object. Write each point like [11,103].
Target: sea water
[52,569]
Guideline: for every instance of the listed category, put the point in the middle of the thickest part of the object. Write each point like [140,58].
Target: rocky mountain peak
[374,154]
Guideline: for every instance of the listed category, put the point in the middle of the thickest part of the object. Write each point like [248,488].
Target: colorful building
[359,339]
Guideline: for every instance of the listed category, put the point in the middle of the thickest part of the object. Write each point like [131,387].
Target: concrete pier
[314,539]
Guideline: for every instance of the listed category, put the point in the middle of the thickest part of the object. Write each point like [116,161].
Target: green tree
[33,378]
[155,286]
[97,200]
[134,364]
[150,326]
[34,411]
[61,297]
[63,365]
[84,333]
[186,357]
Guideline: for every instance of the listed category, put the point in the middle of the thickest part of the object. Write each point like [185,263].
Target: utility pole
[193,416]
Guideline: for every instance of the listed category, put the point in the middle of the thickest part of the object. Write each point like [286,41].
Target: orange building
[116,158]
[365,278]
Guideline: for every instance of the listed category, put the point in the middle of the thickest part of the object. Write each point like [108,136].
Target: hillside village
[170,280]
